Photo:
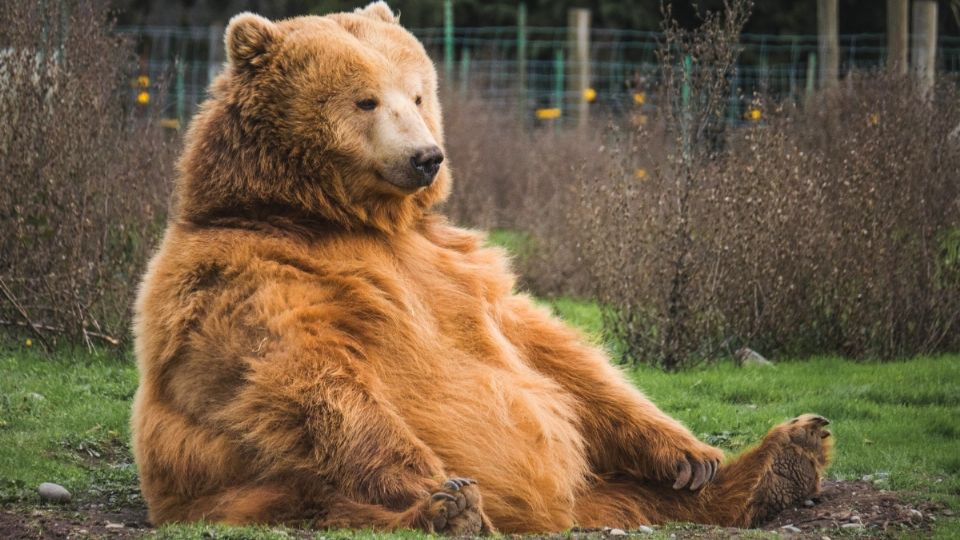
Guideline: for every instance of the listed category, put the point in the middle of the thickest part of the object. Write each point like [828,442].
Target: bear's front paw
[456,509]
[689,465]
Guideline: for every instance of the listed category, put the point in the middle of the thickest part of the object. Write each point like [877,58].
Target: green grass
[64,419]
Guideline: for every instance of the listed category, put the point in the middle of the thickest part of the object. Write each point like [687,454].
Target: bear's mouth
[400,182]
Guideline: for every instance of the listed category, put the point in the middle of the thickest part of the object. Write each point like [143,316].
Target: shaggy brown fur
[315,345]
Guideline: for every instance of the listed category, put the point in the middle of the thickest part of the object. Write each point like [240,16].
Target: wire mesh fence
[528,68]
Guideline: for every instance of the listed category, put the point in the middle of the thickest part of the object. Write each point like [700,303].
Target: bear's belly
[489,416]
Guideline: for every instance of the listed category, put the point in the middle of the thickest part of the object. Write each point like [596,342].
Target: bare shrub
[653,274]
[828,227]
[841,223]
[86,174]
[508,175]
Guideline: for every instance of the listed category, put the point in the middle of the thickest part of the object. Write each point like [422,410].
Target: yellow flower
[754,114]
[548,114]
[143,81]
[589,95]
[28,342]
[639,98]
[143,97]
[873,119]
[640,174]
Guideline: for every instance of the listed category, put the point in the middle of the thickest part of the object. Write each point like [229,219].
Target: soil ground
[842,509]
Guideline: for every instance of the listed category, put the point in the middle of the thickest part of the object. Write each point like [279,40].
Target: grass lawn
[64,419]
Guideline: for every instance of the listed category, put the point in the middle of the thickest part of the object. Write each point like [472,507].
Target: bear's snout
[426,162]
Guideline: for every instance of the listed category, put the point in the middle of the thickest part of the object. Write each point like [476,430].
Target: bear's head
[333,118]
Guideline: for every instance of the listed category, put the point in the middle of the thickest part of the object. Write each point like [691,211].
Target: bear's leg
[783,470]
[244,505]
[455,509]
[624,431]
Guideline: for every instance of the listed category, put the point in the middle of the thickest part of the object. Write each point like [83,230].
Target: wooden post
[828,42]
[578,43]
[522,59]
[898,32]
[924,57]
[448,41]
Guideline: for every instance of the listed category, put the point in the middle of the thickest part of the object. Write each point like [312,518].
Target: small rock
[617,532]
[110,525]
[35,396]
[791,528]
[808,503]
[824,538]
[947,512]
[852,526]
[750,357]
[914,513]
[644,529]
[857,519]
[49,491]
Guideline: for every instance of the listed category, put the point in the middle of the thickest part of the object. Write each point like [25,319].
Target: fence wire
[178,64]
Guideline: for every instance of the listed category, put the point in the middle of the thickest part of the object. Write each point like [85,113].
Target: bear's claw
[457,509]
[695,474]
[456,483]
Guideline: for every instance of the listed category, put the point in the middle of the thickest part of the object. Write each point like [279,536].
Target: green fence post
[811,74]
[522,59]
[558,82]
[733,107]
[465,70]
[44,31]
[181,94]
[685,100]
[448,40]
[64,30]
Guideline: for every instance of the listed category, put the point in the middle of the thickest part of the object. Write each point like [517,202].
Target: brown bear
[317,346]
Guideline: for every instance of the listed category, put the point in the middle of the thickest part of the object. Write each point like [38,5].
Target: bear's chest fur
[459,382]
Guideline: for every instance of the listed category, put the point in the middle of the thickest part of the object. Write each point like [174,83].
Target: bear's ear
[248,39]
[380,11]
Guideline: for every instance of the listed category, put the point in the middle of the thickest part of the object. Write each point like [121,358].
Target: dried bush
[828,227]
[86,174]
[842,222]
[653,275]
[519,177]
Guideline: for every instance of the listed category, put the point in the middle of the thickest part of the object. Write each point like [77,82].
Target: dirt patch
[858,506]
[73,521]
[842,507]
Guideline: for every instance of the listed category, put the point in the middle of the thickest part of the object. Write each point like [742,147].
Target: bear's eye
[367,104]
[418,101]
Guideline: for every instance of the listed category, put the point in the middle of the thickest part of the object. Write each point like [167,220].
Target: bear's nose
[426,162]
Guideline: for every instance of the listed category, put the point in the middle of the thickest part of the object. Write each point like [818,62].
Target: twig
[60,330]
[23,313]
